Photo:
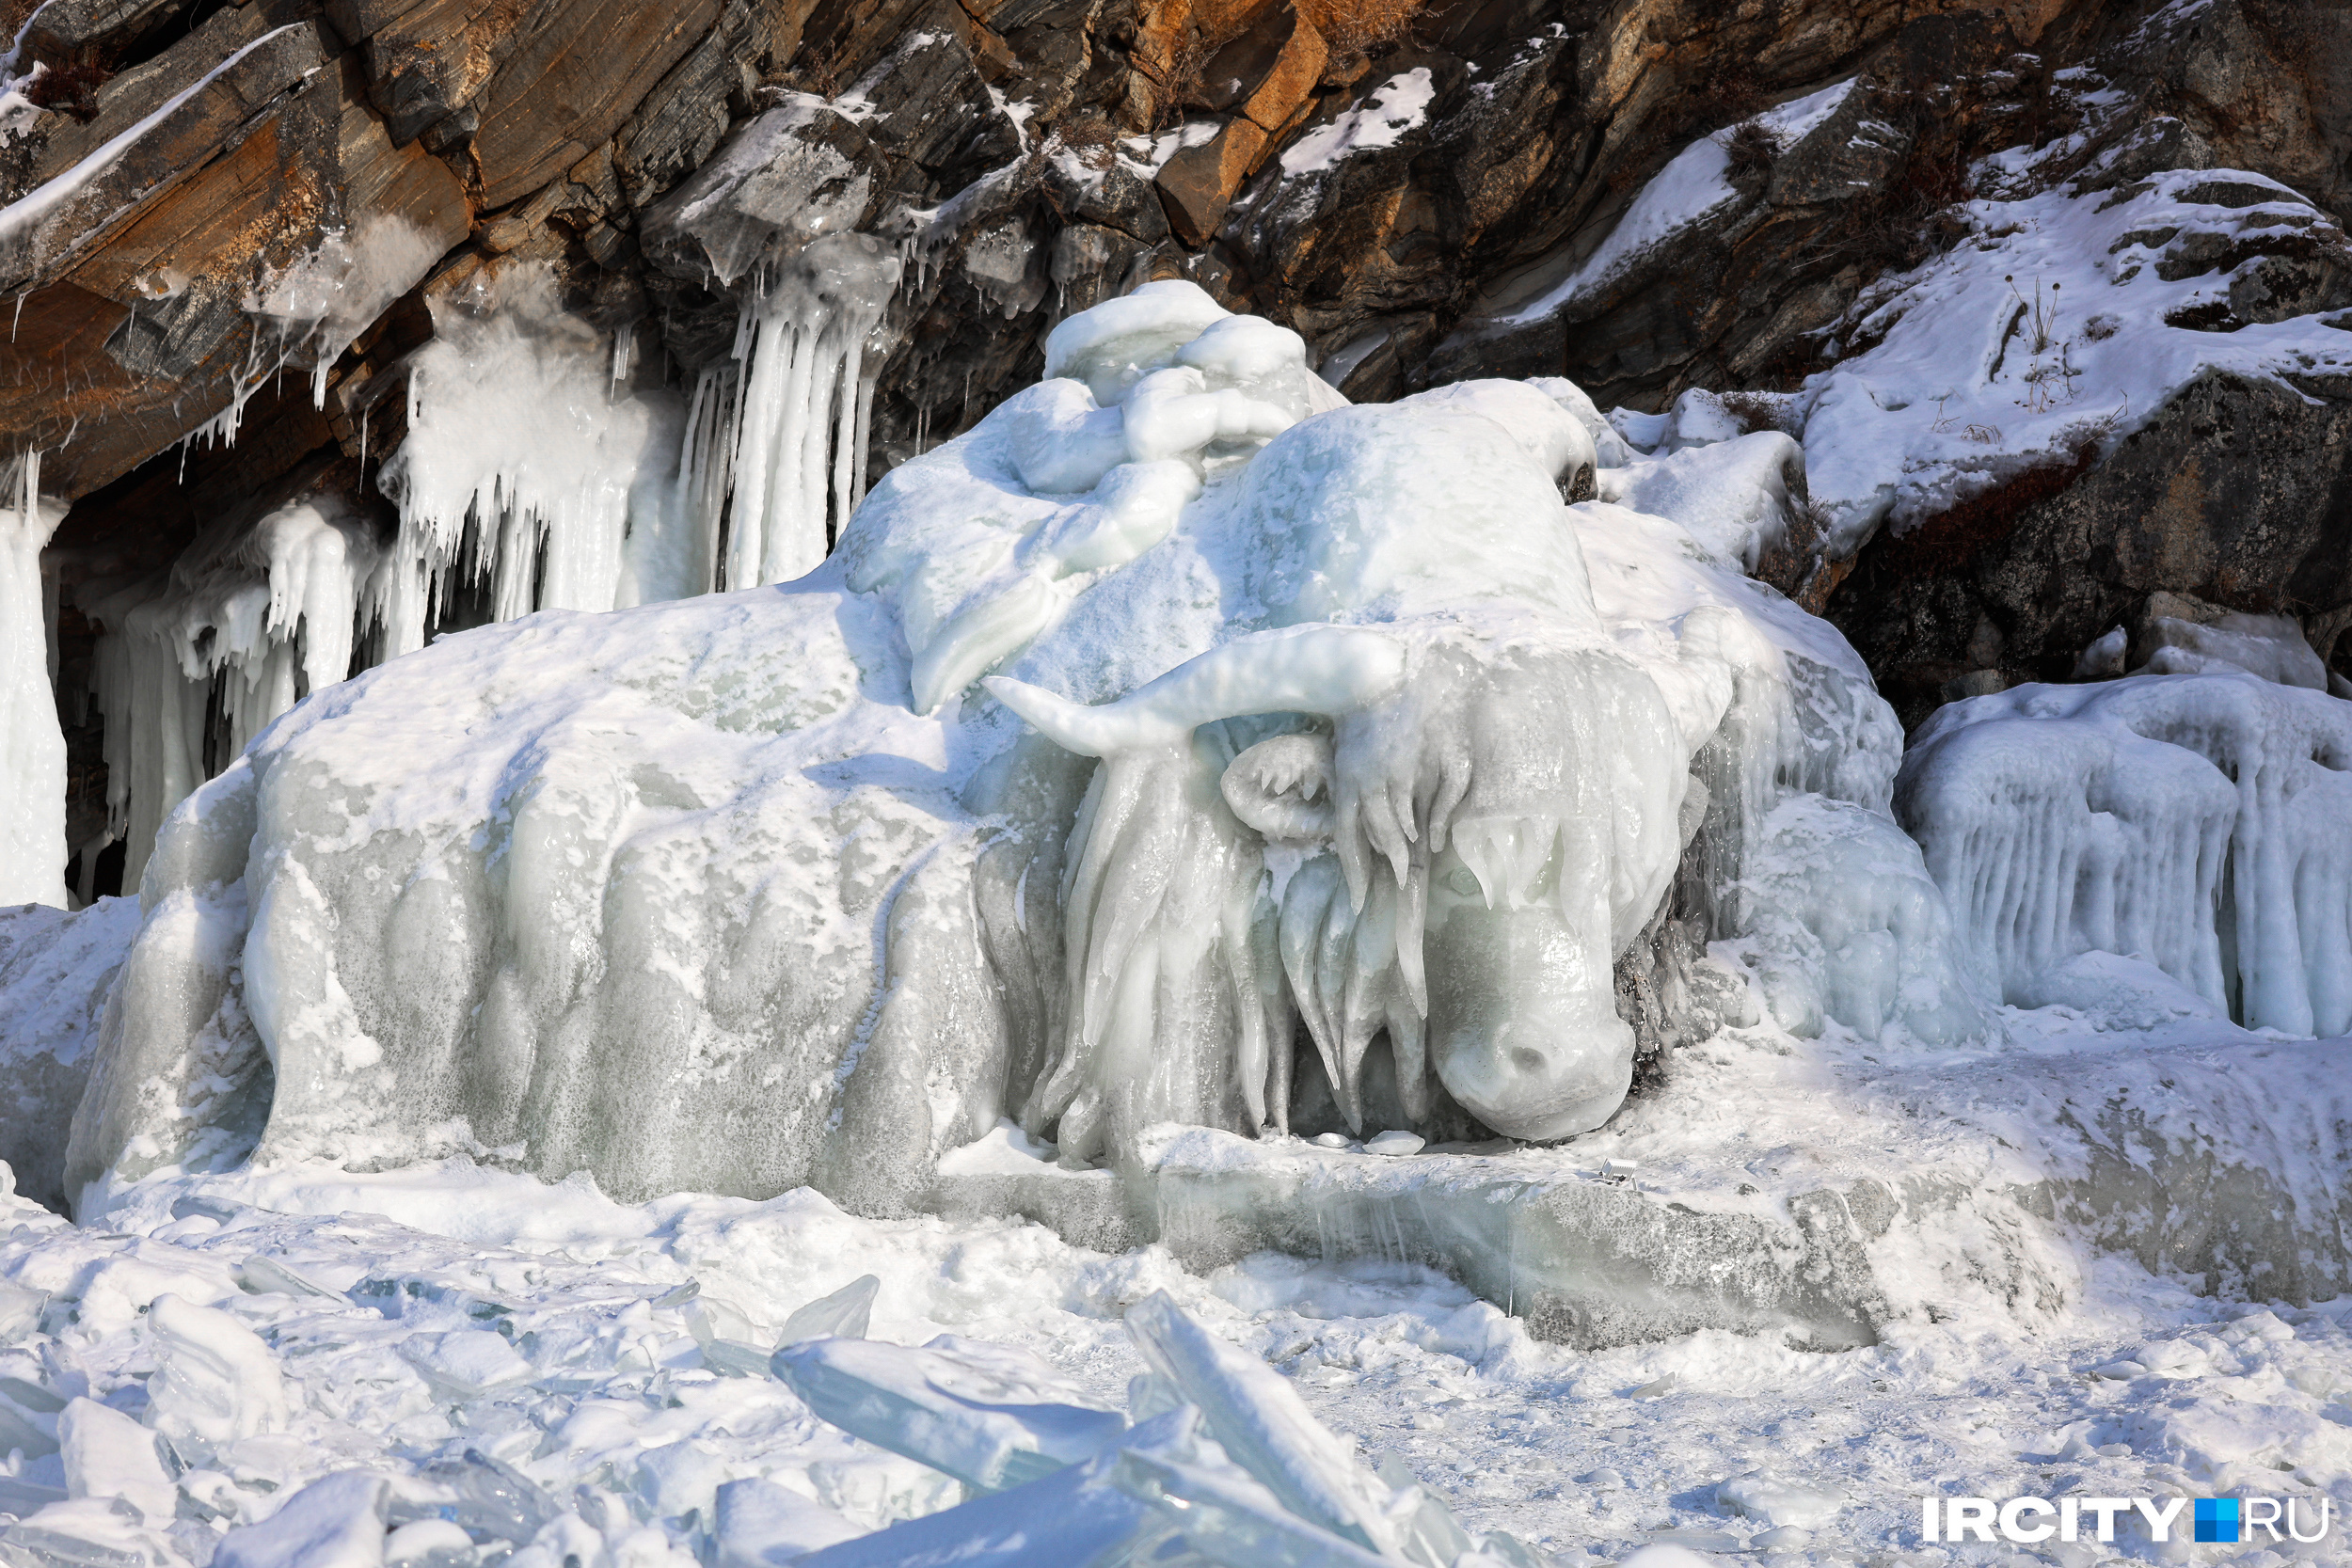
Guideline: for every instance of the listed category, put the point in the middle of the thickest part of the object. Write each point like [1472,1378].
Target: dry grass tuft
[1353,27]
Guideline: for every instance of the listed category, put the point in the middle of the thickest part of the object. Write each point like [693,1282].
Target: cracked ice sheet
[2139,1389]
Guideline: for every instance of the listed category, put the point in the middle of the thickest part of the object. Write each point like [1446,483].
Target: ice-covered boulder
[2200,823]
[747,892]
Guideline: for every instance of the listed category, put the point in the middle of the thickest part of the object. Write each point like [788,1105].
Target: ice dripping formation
[2196,823]
[535,473]
[1174,701]
[776,447]
[32,767]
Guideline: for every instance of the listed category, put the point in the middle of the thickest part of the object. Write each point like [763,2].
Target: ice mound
[56,971]
[2199,823]
[1173,707]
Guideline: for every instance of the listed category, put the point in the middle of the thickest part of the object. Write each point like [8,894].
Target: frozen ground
[416,1315]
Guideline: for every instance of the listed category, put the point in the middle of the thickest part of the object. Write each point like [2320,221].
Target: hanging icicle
[196,660]
[32,749]
[528,468]
[775,460]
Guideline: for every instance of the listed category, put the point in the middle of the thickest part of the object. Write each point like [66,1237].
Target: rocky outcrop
[2239,494]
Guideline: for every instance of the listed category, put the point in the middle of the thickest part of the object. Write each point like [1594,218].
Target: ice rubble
[1404,1413]
[759,890]
[2199,823]
[256,1390]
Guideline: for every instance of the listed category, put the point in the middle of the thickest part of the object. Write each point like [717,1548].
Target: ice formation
[32,749]
[1343,718]
[527,470]
[776,440]
[2198,823]
[531,477]
[197,662]
[313,310]
[56,971]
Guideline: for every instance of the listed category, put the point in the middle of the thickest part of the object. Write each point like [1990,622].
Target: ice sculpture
[1173,707]
[2200,823]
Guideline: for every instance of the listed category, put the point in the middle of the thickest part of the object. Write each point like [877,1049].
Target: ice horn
[1317,668]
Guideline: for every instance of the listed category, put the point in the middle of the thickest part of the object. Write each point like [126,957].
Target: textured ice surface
[2271,646]
[2199,823]
[531,477]
[56,972]
[1307,713]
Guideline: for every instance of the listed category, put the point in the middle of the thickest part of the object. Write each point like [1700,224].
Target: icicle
[264,613]
[32,749]
[522,439]
[802,411]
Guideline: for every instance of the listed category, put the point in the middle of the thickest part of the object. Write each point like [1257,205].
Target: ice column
[32,749]
[258,616]
[775,445]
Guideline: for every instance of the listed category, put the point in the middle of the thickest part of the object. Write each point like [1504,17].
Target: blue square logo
[2216,1518]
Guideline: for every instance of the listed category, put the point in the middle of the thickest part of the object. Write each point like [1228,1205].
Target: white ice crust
[1295,712]
[2201,824]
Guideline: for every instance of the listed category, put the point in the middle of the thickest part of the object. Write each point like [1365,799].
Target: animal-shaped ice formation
[1176,745]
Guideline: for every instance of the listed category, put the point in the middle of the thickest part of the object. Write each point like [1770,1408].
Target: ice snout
[1521,1034]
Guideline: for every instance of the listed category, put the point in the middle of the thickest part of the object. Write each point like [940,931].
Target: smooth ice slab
[990,1417]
